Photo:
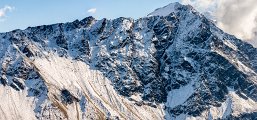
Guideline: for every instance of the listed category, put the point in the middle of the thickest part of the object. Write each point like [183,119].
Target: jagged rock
[67,97]
[175,57]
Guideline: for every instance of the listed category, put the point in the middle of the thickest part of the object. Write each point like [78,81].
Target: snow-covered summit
[166,10]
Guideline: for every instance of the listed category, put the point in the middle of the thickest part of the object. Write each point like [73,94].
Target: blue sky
[20,14]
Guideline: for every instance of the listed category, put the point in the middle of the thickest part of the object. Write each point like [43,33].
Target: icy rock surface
[173,64]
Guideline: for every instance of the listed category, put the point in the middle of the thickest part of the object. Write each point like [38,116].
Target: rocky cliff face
[173,64]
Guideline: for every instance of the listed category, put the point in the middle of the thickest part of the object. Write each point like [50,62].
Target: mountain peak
[176,67]
[166,10]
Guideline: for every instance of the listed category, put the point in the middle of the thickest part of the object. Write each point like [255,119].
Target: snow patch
[15,105]
[179,96]
[229,44]
[234,105]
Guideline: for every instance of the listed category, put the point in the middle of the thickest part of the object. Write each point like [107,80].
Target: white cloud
[4,10]
[237,17]
[92,10]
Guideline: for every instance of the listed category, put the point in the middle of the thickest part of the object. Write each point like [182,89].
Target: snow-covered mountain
[174,64]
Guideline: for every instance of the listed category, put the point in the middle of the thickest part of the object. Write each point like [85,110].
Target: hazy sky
[23,13]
